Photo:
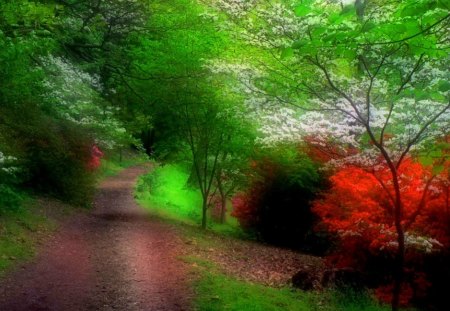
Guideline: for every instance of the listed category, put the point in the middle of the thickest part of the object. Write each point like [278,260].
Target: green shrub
[10,199]
[57,160]
[53,154]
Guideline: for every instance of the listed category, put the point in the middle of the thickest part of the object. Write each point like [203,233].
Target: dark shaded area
[277,205]
[54,153]
[437,270]
[285,217]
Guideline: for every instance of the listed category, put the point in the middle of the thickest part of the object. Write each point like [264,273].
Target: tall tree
[372,79]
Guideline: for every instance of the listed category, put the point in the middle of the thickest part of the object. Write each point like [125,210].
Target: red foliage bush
[358,209]
[95,159]
[246,204]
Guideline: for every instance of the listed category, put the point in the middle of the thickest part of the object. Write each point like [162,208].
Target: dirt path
[115,258]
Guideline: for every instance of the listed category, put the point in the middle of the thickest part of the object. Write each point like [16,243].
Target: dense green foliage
[57,95]
[170,193]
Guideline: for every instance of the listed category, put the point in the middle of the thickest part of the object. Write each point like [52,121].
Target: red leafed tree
[359,209]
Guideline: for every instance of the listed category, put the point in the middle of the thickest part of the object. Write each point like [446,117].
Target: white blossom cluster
[74,95]
[6,164]
[235,8]
[279,126]
[346,108]
[410,122]
[412,240]
[420,243]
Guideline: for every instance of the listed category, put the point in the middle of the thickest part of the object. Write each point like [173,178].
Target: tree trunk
[147,138]
[223,200]
[193,179]
[398,269]
[204,209]
[223,209]
[400,256]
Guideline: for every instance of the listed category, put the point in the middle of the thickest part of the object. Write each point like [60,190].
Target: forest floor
[112,258]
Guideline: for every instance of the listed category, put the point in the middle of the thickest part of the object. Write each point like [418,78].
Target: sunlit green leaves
[416,8]
[302,10]
[287,52]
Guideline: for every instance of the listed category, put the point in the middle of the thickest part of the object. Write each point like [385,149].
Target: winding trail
[115,258]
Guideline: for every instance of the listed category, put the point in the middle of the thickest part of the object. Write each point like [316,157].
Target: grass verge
[216,291]
[21,230]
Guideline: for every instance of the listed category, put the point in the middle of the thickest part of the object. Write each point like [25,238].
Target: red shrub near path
[358,209]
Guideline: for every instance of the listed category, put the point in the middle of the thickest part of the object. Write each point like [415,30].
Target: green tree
[370,73]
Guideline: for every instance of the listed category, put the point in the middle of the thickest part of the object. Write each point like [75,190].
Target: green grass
[216,291]
[219,292]
[165,192]
[19,231]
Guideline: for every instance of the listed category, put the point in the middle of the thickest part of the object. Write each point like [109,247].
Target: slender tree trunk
[223,200]
[193,179]
[400,256]
[223,211]
[204,210]
[398,269]
[397,214]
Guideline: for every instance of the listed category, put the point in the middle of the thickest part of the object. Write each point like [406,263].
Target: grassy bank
[21,230]
[216,291]
[165,192]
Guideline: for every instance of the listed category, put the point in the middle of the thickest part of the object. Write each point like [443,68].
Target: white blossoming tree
[369,76]
[74,95]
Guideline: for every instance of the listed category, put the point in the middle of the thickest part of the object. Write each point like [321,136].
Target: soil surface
[115,258]
[255,262]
